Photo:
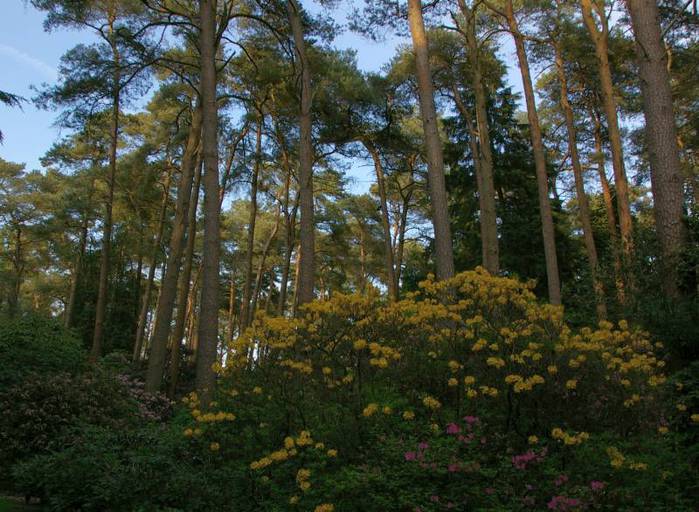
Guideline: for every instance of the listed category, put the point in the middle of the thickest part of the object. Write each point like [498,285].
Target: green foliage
[32,344]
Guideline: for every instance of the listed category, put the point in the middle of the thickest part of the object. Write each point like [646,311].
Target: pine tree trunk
[304,292]
[385,220]
[261,265]
[247,281]
[547,228]
[145,306]
[486,191]
[661,139]
[444,257]
[583,203]
[208,314]
[600,40]
[77,267]
[183,293]
[101,306]
[168,286]
[609,209]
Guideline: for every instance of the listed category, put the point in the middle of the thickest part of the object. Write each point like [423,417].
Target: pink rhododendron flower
[560,480]
[563,503]
[596,485]
[453,468]
[423,446]
[453,428]
[410,455]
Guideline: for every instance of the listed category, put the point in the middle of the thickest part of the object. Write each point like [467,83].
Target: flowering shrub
[469,395]
[360,374]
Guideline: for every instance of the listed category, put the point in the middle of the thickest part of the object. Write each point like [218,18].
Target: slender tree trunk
[145,306]
[13,299]
[486,190]
[102,292]
[609,209]
[547,228]
[304,292]
[168,287]
[400,245]
[261,265]
[230,328]
[600,40]
[583,204]
[289,224]
[661,138]
[183,293]
[75,278]
[478,167]
[247,281]
[433,145]
[385,220]
[297,273]
[208,314]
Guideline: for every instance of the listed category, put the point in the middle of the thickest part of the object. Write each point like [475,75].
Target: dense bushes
[32,344]
[467,396]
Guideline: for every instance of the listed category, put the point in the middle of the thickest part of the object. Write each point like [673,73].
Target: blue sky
[30,56]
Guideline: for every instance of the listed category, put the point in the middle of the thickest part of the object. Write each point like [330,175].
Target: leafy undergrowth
[469,395]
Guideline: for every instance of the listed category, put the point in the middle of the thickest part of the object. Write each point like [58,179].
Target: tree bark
[247,281]
[75,278]
[385,220]
[444,257]
[600,38]
[101,306]
[168,286]
[661,139]
[583,203]
[304,291]
[261,265]
[145,306]
[486,190]
[609,209]
[208,313]
[547,228]
[184,285]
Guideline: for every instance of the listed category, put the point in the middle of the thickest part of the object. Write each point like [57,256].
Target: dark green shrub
[39,411]
[37,345]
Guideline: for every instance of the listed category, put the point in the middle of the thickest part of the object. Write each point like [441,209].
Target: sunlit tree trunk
[444,257]
[583,203]
[609,209]
[77,268]
[304,291]
[168,286]
[208,313]
[247,280]
[183,293]
[547,228]
[600,38]
[385,220]
[102,291]
[145,306]
[486,190]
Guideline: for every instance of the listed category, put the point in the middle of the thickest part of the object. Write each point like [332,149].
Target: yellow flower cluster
[302,477]
[568,439]
[370,410]
[523,384]
[324,507]
[431,403]
[211,417]
[618,460]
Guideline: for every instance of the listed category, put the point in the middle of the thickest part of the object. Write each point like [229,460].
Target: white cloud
[26,59]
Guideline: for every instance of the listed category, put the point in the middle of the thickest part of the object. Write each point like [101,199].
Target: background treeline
[160,227]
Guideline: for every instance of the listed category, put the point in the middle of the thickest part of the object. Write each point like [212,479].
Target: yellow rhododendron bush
[468,391]
[471,343]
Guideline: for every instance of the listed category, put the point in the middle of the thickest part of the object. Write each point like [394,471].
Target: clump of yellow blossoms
[569,439]
[325,507]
